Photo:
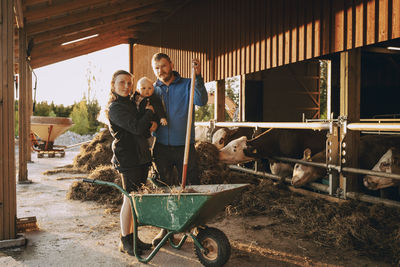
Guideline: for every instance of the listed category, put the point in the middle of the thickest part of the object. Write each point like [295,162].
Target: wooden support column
[30,113]
[242,99]
[8,208]
[219,107]
[23,107]
[131,56]
[350,86]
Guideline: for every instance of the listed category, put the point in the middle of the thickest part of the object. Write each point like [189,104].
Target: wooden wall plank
[395,19]
[263,35]
[309,39]
[294,35]
[350,18]
[280,32]
[359,25]
[286,27]
[383,20]
[274,34]
[268,45]
[326,27]
[338,25]
[301,32]
[317,27]
[371,15]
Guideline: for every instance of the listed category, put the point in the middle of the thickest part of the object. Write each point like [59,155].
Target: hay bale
[99,193]
[97,152]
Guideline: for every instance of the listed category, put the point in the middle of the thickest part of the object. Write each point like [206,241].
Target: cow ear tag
[307,154]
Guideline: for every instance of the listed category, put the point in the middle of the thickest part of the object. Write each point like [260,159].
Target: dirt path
[74,233]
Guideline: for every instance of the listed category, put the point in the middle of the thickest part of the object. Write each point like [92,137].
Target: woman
[131,154]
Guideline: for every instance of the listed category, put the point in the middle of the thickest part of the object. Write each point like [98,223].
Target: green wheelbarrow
[185,213]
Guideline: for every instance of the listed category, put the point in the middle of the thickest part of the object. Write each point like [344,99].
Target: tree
[80,118]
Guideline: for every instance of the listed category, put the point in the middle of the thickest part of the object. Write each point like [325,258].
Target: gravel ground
[70,138]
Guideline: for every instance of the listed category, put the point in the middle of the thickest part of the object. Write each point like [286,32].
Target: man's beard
[168,77]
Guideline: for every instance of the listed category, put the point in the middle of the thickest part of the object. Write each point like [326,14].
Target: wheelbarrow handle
[87,180]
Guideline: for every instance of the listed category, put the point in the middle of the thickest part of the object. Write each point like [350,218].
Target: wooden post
[350,86]
[8,208]
[22,109]
[219,107]
[131,43]
[30,113]
[242,99]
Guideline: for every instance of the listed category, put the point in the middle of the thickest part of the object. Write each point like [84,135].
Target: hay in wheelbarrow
[101,194]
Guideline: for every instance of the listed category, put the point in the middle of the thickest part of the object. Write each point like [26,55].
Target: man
[169,149]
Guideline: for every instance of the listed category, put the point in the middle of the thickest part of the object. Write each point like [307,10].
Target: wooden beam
[350,87]
[43,58]
[117,31]
[22,110]
[131,17]
[219,106]
[8,207]
[120,7]
[58,9]
[18,13]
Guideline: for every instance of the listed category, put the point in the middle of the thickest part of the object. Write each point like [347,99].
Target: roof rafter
[60,9]
[131,16]
[96,13]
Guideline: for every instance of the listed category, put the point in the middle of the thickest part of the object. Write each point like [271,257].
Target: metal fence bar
[343,169]
[315,186]
[374,127]
[282,125]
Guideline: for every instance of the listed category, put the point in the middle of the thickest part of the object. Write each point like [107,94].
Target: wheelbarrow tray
[179,212]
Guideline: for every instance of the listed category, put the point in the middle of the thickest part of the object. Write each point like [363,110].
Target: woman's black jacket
[130,146]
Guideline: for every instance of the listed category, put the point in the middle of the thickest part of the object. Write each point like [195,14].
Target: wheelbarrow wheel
[216,244]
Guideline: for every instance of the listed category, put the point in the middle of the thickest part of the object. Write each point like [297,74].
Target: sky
[66,82]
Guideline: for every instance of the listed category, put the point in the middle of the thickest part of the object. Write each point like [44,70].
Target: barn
[275,48]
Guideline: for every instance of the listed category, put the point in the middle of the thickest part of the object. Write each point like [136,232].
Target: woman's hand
[148,106]
[196,66]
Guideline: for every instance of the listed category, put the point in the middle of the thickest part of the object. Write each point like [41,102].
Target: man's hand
[196,66]
[153,127]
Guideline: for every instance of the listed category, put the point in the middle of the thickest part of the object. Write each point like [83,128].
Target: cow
[304,174]
[281,169]
[389,163]
[223,136]
[202,134]
[275,142]
[372,147]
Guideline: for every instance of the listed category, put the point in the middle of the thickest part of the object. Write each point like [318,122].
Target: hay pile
[97,152]
[212,171]
[373,230]
[99,193]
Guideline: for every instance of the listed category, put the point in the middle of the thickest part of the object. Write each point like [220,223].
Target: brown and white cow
[304,174]
[223,136]
[276,142]
[389,163]
[373,149]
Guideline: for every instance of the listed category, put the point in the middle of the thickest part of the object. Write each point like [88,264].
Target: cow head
[234,152]
[304,174]
[219,137]
[281,169]
[389,163]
